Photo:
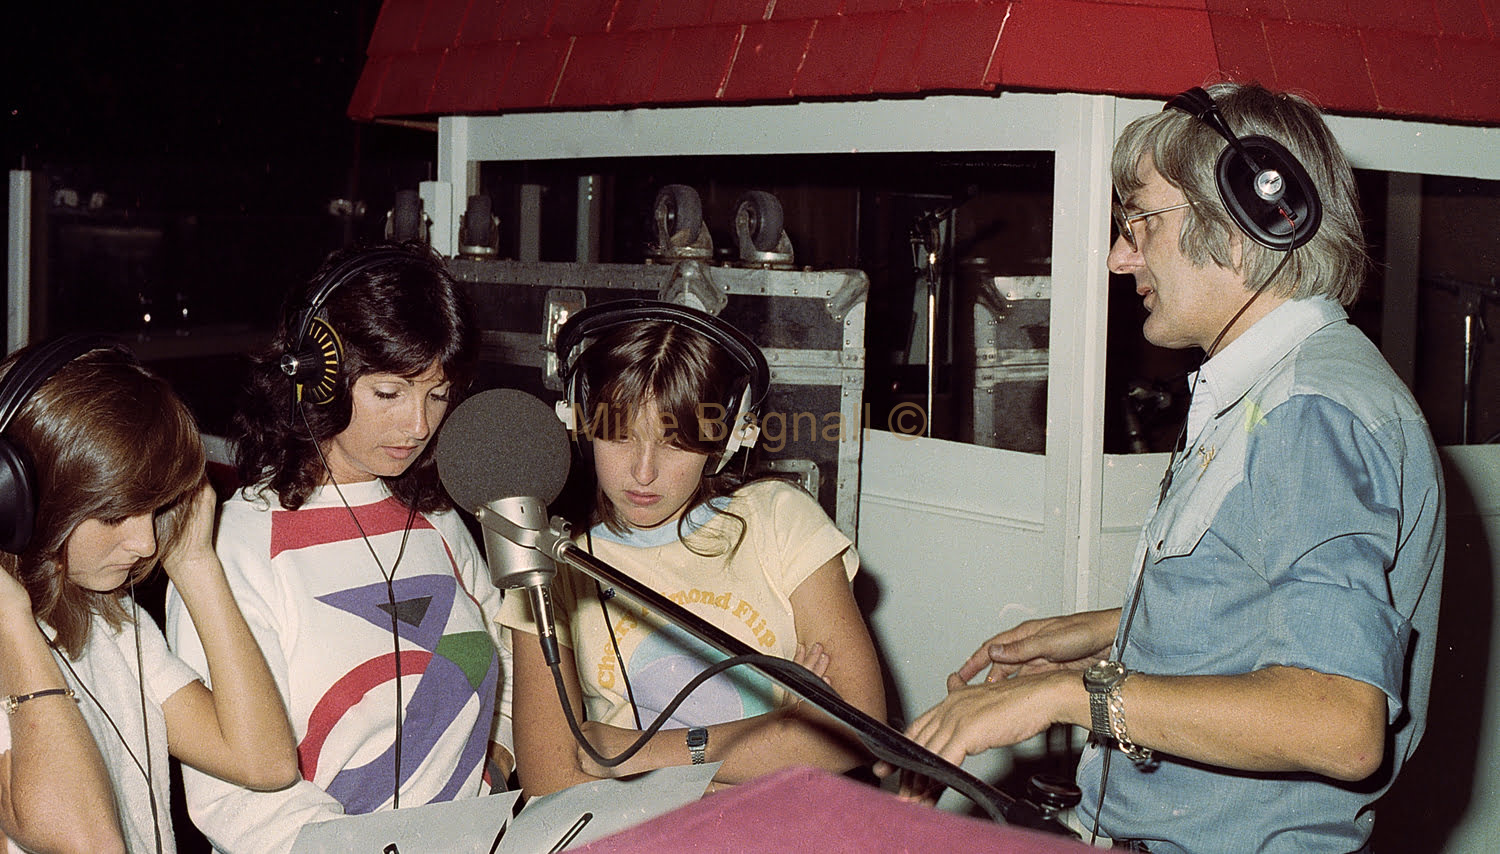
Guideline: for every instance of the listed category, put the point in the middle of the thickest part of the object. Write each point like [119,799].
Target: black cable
[614,643]
[661,718]
[390,598]
[140,669]
[764,662]
[390,593]
[141,673]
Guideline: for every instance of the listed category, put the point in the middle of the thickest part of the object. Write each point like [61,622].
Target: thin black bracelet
[13,702]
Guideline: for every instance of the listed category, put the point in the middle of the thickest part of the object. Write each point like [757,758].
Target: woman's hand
[814,658]
[192,553]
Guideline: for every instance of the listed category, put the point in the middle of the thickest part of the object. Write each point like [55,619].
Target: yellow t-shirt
[746,592]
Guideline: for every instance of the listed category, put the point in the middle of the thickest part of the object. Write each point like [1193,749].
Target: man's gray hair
[1185,150]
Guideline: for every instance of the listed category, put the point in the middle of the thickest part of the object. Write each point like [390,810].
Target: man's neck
[1252,308]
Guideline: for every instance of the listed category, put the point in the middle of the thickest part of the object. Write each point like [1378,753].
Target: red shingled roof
[1437,59]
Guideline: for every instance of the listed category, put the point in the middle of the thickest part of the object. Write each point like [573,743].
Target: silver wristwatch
[1107,708]
[1101,678]
[697,744]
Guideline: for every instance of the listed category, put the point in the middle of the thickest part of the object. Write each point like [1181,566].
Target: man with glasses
[1267,677]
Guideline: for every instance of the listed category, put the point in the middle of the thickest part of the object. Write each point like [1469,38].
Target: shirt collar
[1225,378]
[662,535]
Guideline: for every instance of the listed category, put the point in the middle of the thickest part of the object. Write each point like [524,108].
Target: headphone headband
[1265,189]
[345,271]
[35,368]
[596,320]
[1197,103]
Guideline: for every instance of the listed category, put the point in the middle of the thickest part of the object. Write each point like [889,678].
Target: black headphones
[317,353]
[19,491]
[1264,188]
[741,406]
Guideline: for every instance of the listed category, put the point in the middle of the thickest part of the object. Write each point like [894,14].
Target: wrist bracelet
[14,701]
[1139,755]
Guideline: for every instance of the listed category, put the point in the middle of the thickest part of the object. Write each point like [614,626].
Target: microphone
[503,456]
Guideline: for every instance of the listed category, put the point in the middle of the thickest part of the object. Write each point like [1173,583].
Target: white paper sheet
[452,827]
[611,806]
[475,824]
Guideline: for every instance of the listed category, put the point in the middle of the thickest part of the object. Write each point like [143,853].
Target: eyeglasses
[1123,220]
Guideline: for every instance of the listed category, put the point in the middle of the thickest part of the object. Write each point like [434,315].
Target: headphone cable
[588,537]
[140,669]
[390,593]
[145,769]
[1166,484]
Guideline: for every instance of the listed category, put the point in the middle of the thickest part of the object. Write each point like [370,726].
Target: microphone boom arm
[885,742]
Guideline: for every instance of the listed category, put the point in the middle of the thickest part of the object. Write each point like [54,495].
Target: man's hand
[976,718]
[1072,642]
[1032,670]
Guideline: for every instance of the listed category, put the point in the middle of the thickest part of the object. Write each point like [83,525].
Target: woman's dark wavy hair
[108,440]
[397,317]
[680,371]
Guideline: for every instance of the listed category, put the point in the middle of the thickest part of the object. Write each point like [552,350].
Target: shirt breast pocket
[1181,584]
[1188,510]
[1174,619]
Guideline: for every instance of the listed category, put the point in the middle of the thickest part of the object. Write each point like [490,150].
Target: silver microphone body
[503,455]
[515,530]
[511,527]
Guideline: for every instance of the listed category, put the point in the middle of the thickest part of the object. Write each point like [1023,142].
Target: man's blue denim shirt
[1304,526]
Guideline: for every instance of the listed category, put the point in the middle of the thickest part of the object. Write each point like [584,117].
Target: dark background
[217,137]
[188,157]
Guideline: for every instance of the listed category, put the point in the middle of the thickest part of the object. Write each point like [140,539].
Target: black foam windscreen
[502,443]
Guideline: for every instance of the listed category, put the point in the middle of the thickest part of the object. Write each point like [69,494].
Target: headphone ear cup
[317,355]
[578,399]
[1282,223]
[18,498]
[575,397]
[19,492]
[315,377]
[739,409]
